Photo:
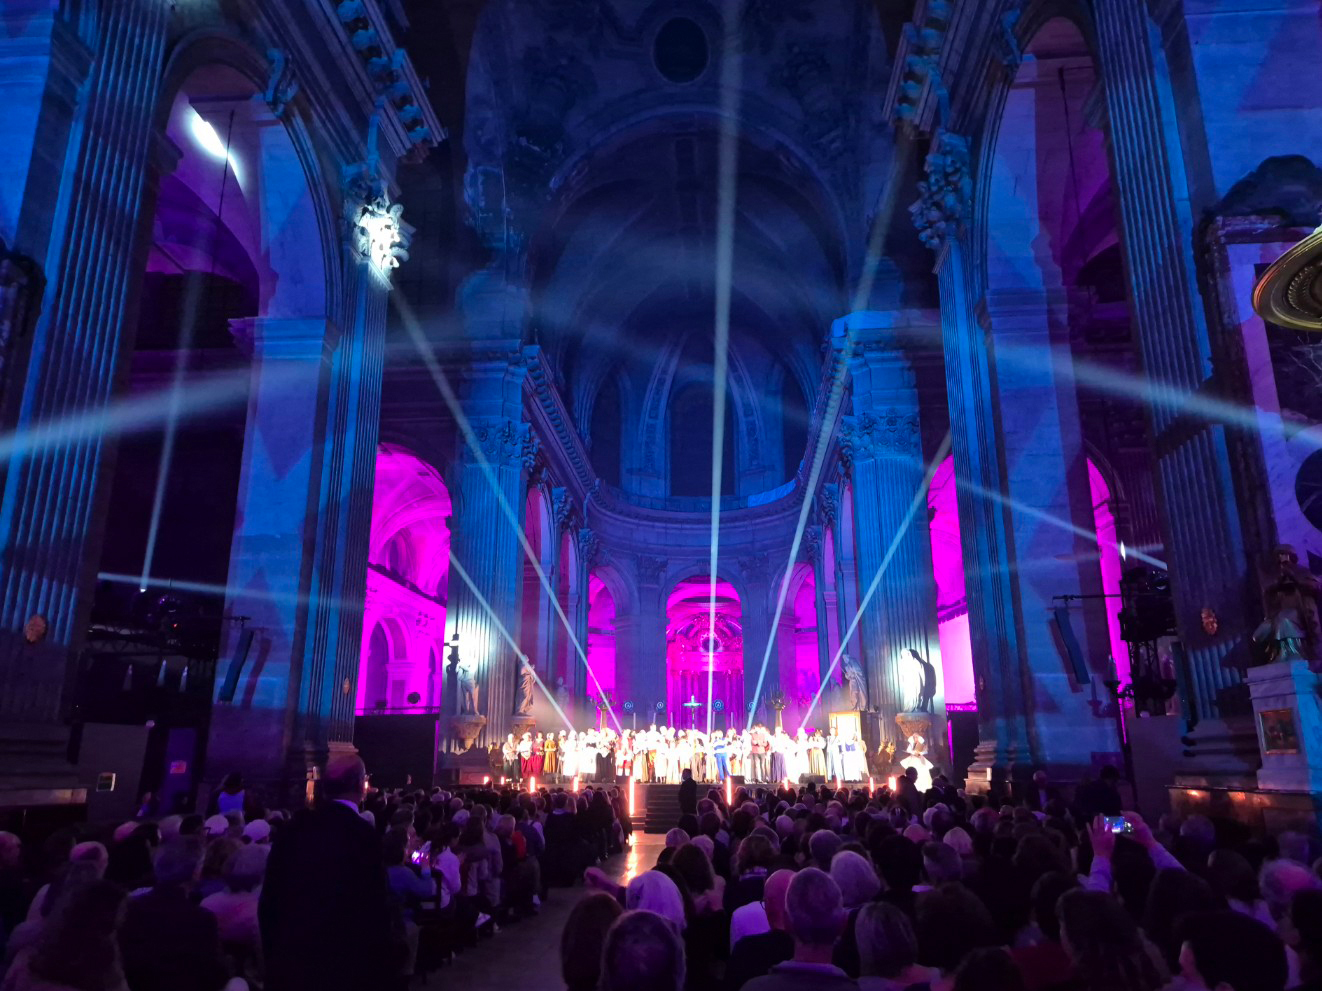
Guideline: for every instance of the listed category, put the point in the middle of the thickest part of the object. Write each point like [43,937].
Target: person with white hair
[959,838]
[817,917]
[652,891]
[91,853]
[235,908]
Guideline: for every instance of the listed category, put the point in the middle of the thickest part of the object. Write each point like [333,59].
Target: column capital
[883,433]
[945,200]
[285,338]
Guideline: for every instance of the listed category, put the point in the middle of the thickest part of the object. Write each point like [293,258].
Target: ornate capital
[501,440]
[589,547]
[562,509]
[811,548]
[828,505]
[945,199]
[530,454]
[650,569]
[885,433]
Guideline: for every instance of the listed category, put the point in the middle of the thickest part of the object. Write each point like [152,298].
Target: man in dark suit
[688,794]
[324,912]
[1041,792]
[168,942]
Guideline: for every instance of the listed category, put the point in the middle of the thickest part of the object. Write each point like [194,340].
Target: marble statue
[927,690]
[527,679]
[854,681]
[467,690]
[561,695]
[1291,630]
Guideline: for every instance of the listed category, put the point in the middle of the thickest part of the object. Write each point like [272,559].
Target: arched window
[605,432]
[691,442]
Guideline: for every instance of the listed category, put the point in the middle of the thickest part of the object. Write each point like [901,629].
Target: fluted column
[487,546]
[344,518]
[48,518]
[1197,498]
[1002,689]
[883,445]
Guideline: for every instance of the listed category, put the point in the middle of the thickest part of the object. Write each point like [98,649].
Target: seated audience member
[1105,946]
[653,891]
[1306,921]
[1233,878]
[642,952]
[753,862]
[580,943]
[817,917]
[951,924]
[78,948]
[900,863]
[988,969]
[1175,894]
[888,950]
[91,853]
[235,908]
[1227,951]
[169,943]
[1040,957]
[705,888]
[942,864]
[858,884]
[755,954]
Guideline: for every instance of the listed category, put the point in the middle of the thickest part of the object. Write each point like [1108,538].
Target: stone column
[640,643]
[49,526]
[487,546]
[941,216]
[1200,513]
[882,443]
[344,516]
[755,615]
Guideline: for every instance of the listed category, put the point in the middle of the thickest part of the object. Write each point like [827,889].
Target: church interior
[392,376]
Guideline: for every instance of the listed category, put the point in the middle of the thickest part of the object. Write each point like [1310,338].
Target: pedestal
[1287,713]
[522,723]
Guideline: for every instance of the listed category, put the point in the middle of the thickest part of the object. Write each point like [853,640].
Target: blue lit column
[1196,493]
[1002,688]
[81,226]
[882,444]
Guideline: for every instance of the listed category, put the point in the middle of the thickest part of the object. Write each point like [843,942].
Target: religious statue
[1291,630]
[527,678]
[858,688]
[927,690]
[561,695]
[467,690]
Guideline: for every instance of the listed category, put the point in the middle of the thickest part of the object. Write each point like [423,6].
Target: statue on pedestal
[467,690]
[562,695]
[856,683]
[927,689]
[527,679]
[1291,630]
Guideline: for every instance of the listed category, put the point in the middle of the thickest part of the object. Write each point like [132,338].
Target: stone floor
[526,955]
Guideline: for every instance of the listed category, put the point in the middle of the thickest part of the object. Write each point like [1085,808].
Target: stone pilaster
[883,445]
[941,216]
[1052,528]
[640,644]
[1199,510]
[49,523]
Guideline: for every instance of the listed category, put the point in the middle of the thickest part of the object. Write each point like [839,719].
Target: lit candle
[487,780]
[532,786]
[891,781]
[871,785]
[575,784]
[729,793]
[631,806]
[837,782]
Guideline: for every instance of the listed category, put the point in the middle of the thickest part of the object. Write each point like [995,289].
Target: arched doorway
[408,577]
[700,652]
[601,641]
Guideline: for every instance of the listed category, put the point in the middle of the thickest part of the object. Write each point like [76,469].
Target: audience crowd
[780,889]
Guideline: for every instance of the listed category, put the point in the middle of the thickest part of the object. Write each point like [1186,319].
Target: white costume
[918,759]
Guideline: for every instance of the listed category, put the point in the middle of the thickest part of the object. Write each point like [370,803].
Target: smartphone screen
[1119,824]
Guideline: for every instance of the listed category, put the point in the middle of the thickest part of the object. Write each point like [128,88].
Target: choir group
[662,753]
